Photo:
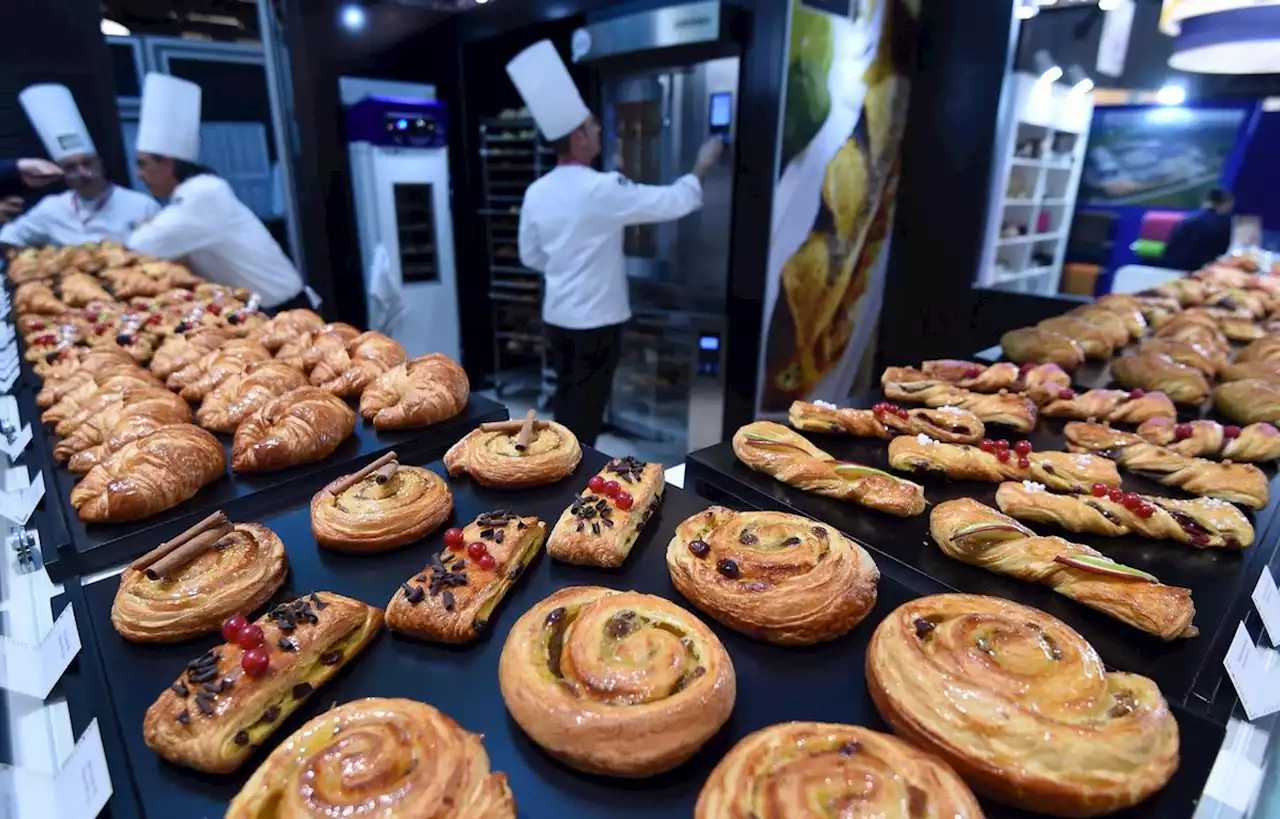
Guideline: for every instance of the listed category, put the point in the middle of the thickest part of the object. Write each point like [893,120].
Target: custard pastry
[509,456]
[971,375]
[1070,737]
[616,683]
[1119,406]
[1061,470]
[404,757]
[425,391]
[603,523]
[382,506]
[287,326]
[347,372]
[777,577]
[1157,372]
[300,427]
[1033,345]
[1094,341]
[1010,409]
[784,770]
[887,421]
[1199,522]
[242,394]
[1249,401]
[1254,443]
[792,459]
[453,599]
[229,700]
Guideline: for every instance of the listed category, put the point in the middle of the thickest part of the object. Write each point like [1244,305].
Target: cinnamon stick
[511,426]
[216,519]
[526,431]
[188,552]
[355,478]
[386,471]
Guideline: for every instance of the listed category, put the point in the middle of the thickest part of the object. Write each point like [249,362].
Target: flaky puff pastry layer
[404,757]
[300,427]
[346,372]
[237,575]
[1249,401]
[950,424]
[241,395]
[373,517]
[1034,345]
[1020,705]
[425,391]
[286,326]
[784,770]
[773,576]
[196,380]
[595,530]
[1209,439]
[492,459]
[1156,371]
[1063,471]
[1119,406]
[1008,408]
[618,683]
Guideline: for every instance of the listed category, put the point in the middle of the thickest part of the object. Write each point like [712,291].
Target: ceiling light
[1050,71]
[1079,80]
[1171,95]
[1109,5]
[110,28]
[1026,9]
[353,17]
[481,2]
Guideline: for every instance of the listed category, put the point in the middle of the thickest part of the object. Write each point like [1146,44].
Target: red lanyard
[96,206]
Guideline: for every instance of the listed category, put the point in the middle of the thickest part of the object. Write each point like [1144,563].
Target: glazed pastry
[1249,401]
[156,406]
[507,455]
[1209,439]
[784,770]
[404,757]
[950,424]
[425,391]
[36,297]
[1062,471]
[1155,372]
[149,475]
[1261,370]
[1241,330]
[242,394]
[234,574]
[178,351]
[1244,484]
[1032,345]
[981,536]
[973,376]
[1118,406]
[1108,322]
[133,281]
[382,506]
[1094,341]
[1267,349]
[59,382]
[347,372]
[1073,738]
[773,576]
[302,352]
[1196,329]
[128,429]
[454,598]
[1196,356]
[286,327]
[1200,522]
[80,289]
[196,380]
[1254,302]
[1128,310]
[616,683]
[792,459]
[1035,376]
[603,523]
[93,393]
[1187,292]
[300,427]
[229,700]
[1007,408]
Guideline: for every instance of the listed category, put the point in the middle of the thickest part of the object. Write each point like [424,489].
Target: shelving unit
[1033,189]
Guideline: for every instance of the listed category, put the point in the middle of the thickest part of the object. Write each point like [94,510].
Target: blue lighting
[402,124]
[353,17]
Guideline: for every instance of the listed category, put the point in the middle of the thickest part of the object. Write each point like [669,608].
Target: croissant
[1199,522]
[1209,439]
[36,297]
[907,384]
[366,356]
[1187,292]
[302,351]
[425,391]
[128,282]
[1207,360]
[790,458]
[198,379]
[1033,345]
[1244,484]
[979,535]
[1118,406]
[1266,349]
[1127,308]
[116,383]
[1249,401]
[887,421]
[128,429]
[156,405]
[1155,372]
[1110,322]
[973,376]
[242,394]
[80,289]
[287,326]
[300,427]
[178,351]
[1062,471]
[149,475]
[62,380]
[1094,341]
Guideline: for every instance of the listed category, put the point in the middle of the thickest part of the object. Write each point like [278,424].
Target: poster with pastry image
[845,107]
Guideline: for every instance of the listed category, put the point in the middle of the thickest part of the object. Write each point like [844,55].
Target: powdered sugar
[1032,486]
[925,440]
[825,404]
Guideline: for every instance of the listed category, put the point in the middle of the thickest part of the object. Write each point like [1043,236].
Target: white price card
[1267,598]
[79,790]
[33,670]
[1250,668]
[17,505]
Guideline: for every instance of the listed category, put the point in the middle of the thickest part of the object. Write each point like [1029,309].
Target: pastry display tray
[85,548]
[826,682]
[1188,671]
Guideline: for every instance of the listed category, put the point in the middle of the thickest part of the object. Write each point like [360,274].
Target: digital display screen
[709,342]
[721,109]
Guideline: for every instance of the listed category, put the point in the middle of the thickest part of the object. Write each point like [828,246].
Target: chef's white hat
[170,121]
[53,113]
[546,87]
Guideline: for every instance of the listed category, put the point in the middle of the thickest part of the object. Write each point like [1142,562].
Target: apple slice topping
[998,531]
[1102,565]
[848,469]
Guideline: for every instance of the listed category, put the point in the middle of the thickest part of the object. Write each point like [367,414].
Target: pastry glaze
[1254,443]
[346,372]
[950,424]
[1062,471]
[595,530]
[1011,409]
[1034,345]
[300,427]
[243,394]
[373,517]
[491,458]
[1118,406]
[286,327]
[425,391]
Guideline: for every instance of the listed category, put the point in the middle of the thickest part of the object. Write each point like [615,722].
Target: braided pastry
[887,421]
[617,683]
[347,372]
[1033,345]
[1244,484]
[375,515]
[1209,439]
[1157,372]
[1020,705]
[1197,356]
[971,375]
[1249,401]
[979,535]
[792,459]
[1199,522]
[1122,321]
[1094,341]
[1119,406]
[907,384]
[1266,349]
[1241,370]
[242,394]
[497,459]
[427,390]
[1062,471]
[300,427]
[773,576]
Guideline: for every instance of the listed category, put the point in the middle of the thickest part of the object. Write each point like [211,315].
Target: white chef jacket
[221,239]
[66,219]
[571,229]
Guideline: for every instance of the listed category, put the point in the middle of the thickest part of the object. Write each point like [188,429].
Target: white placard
[18,505]
[19,444]
[1113,45]
[79,790]
[33,670]
[1249,666]
[1267,598]
[990,354]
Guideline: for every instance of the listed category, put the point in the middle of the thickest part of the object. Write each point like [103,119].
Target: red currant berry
[1115,496]
[596,484]
[972,371]
[1024,462]
[90,314]
[1231,431]
[1137,392]
[611,488]
[1131,501]
[1002,455]
[216,309]
[879,408]
[453,538]
[476,550]
[486,562]
[1002,444]
[232,626]
[1145,510]
[1066,394]
[1026,368]
[255,662]
[1199,540]
[154,319]
[250,636]
[39,325]
[624,500]
[1022,447]
[1181,431]
[987,445]
[901,413]
[1100,490]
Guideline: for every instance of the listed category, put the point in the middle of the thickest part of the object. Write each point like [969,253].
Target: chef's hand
[10,207]
[708,156]
[36,173]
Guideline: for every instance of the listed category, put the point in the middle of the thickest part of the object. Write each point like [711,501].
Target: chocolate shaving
[448,600]
[331,657]
[180,689]
[287,644]
[270,714]
[184,717]
[241,738]
[205,706]
[630,468]
[302,690]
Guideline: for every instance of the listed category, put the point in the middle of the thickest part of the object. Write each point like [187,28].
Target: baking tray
[775,684]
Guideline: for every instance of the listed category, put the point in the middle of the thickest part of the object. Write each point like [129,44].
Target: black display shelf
[775,684]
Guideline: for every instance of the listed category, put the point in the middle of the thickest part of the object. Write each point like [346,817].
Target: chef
[93,209]
[204,223]
[571,229]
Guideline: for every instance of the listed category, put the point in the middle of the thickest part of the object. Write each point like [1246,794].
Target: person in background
[94,209]
[571,229]
[204,223]
[17,174]
[1203,236]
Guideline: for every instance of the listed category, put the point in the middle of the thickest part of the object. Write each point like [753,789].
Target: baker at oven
[93,209]
[204,223]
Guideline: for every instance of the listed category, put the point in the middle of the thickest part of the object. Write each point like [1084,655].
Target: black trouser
[298,302]
[584,361]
